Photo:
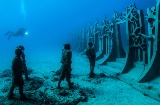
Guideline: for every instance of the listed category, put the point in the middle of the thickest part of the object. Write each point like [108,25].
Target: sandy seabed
[107,91]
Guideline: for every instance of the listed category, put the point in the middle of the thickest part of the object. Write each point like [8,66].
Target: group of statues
[19,68]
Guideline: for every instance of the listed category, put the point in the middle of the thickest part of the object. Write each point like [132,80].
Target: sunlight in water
[23,9]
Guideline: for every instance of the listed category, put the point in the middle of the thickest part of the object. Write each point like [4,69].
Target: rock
[63,93]
[41,96]
[65,96]
[45,76]
[33,84]
[58,72]
[6,73]
[29,71]
[6,88]
[82,93]
[149,87]
[49,98]
[40,93]
[84,99]
[102,75]
[145,94]
[34,96]
[90,91]
[55,79]
[97,82]
[8,79]
[47,84]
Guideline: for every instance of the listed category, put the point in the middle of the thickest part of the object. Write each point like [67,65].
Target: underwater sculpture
[24,63]
[17,80]
[138,58]
[138,40]
[92,57]
[66,66]
[20,32]
[58,72]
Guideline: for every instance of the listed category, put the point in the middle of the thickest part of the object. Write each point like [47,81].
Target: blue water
[50,22]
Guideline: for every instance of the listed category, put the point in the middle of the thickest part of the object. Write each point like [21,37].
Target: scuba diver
[21,32]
